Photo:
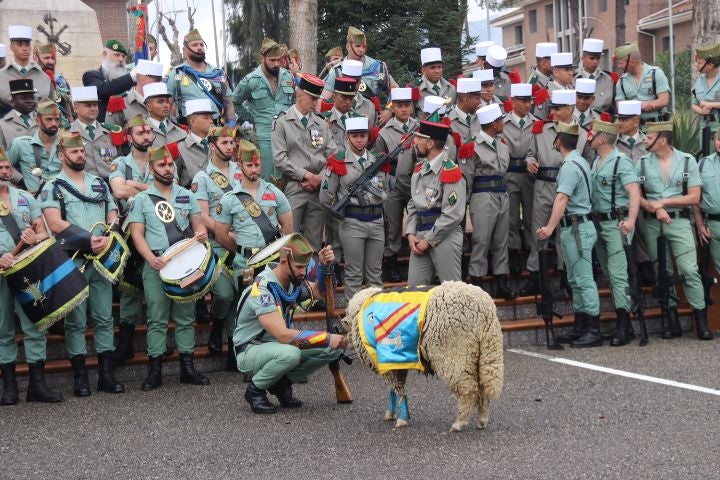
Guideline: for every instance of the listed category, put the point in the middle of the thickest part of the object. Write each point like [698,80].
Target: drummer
[159,217]
[220,176]
[21,220]
[73,203]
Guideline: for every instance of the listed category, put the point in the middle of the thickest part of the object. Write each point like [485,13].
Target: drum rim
[41,247]
[199,293]
[208,256]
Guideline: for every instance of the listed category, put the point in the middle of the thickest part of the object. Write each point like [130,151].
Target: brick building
[112,17]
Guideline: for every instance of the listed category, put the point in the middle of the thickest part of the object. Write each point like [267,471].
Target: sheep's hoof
[458,426]
[481,425]
[399,423]
[389,416]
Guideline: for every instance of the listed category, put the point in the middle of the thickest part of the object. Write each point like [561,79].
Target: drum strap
[269,232]
[172,229]
[37,153]
[11,226]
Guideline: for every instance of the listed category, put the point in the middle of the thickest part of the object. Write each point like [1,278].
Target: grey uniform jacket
[100,152]
[133,106]
[193,159]
[389,137]
[425,88]
[12,126]
[41,81]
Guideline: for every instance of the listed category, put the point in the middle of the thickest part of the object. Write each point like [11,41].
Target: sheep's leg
[483,412]
[403,412]
[465,405]
[392,406]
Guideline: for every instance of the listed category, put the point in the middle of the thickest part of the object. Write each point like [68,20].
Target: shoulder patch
[538,126]
[219,209]
[266,299]
[113,167]
[193,187]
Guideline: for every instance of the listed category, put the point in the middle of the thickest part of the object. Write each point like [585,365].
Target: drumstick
[17,248]
[187,245]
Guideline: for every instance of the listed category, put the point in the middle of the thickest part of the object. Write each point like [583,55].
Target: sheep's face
[346,324]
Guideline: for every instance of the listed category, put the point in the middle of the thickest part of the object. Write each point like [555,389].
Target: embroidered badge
[4,210]
[452,198]
[26,217]
[268,196]
[238,176]
[271,211]
[113,167]
[164,211]
[98,188]
[218,209]
[193,187]
[22,202]
[316,139]
[252,208]
[182,199]
[325,184]
[265,300]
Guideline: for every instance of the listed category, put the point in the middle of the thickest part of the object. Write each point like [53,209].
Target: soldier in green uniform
[707,214]
[197,79]
[641,81]
[432,81]
[362,231]
[159,217]
[23,66]
[147,72]
[159,105]
[389,137]
[35,157]
[194,149]
[589,68]
[20,220]
[73,203]
[266,345]
[706,93]
[269,91]
[435,210]
[20,121]
[101,148]
[670,183]
[571,212]
[615,203]
[301,144]
[541,77]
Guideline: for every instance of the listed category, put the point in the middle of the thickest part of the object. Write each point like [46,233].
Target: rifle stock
[546,306]
[636,293]
[342,392]
[663,290]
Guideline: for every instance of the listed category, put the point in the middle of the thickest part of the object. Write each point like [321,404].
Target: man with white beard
[112,78]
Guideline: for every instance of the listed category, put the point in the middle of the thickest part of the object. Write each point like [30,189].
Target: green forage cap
[666,126]
[116,46]
[138,120]
[270,48]
[708,51]
[193,36]
[606,127]
[569,128]
[159,153]
[223,131]
[334,52]
[248,152]
[356,35]
[150,39]
[299,248]
[627,49]
[47,107]
[70,140]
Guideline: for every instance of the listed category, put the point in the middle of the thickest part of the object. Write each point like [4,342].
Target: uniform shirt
[13,126]
[587,116]
[127,168]
[425,88]
[134,104]
[207,189]
[25,209]
[264,104]
[336,124]
[637,149]
[365,108]
[297,149]
[571,182]
[541,148]
[459,123]
[604,88]
[142,210]
[231,211]
[184,87]
[34,72]
[193,158]
[602,173]
[540,111]
[427,193]
[375,75]
[173,133]
[260,301]
[709,169]
[388,139]
[336,186]
[488,159]
[100,152]
[628,89]
[80,213]
[655,186]
[709,93]
[518,138]
[22,157]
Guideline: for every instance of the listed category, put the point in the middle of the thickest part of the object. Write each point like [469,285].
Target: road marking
[621,373]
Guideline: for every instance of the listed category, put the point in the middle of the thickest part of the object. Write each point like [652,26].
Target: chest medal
[252,208]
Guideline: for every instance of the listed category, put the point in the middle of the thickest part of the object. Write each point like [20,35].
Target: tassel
[416,94]
[418,167]
[615,77]
[606,117]
[385,168]
[185,128]
[514,76]
[374,134]
[336,166]
[116,104]
[541,96]
[174,150]
[376,102]
[507,106]
[453,82]
[457,140]
[446,121]
[450,173]
[466,150]
[326,106]
[538,126]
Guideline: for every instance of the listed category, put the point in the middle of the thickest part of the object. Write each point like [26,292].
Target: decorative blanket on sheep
[391,325]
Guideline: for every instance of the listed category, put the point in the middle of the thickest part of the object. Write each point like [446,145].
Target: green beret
[605,127]
[116,46]
[47,107]
[666,126]
[193,36]
[569,128]
[138,120]
[248,152]
[223,131]
[708,51]
[70,140]
[356,35]
[159,153]
[270,48]
[627,49]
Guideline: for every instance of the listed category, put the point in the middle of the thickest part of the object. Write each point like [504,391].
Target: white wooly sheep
[461,342]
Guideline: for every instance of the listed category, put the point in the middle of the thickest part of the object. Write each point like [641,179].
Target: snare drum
[46,283]
[111,262]
[190,274]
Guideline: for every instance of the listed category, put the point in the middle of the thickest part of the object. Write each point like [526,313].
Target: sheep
[461,342]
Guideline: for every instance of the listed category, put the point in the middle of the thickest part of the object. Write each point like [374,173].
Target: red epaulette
[450,172]
[507,105]
[615,77]
[418,167]
[453,82]
[185,128]
[465,151]
[540,95]
[446,121]
[538,126]
[337,166]
[457,139]
[174,150]
[386,168]
[376,102]
[116,103]
[606,117]
[514,76]
[415,94]
[117,135]
[326,106]
[374,134]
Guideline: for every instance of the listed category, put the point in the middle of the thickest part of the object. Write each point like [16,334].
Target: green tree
[683,74]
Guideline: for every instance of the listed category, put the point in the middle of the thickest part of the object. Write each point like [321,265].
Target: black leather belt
[567,220]
[489,183]
[616,215]
[547,174]
[677,214]
[711,216]
[247,252]
[365,214]
[243,346]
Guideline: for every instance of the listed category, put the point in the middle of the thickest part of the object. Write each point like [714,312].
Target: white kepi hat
[430,55]
[585,86]
[19,32]
[629,108]
[352,68]
[484,75]
[84,94]
[198,105]
[489,113]
[147,67]
[521,90]
[482,48]
[562,59]
[593,45]
[3,52]
[356,124]
[155,89]
[469,85]
[545,49]
[401,94]
[563,97]
[431,104]
[496,56]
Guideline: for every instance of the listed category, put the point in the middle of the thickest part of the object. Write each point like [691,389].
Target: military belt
[711,216]
[426,219]
[489,183]
[547,174]
[616,215]
[364,214]
[247,252]
[517,165]
[243,346]
[567,220]
[676,214]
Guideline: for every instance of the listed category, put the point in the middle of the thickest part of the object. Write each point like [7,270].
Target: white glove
[246,125]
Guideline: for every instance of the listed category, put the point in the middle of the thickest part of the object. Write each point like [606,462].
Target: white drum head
[268,251]
[185,262]
[29,251]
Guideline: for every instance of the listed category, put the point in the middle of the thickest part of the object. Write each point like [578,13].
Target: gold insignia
[164,211]
[193,187]
[252,208]
[218,209]
[362,86]
[113,167]
[33,289]
[4,210]
[219,179]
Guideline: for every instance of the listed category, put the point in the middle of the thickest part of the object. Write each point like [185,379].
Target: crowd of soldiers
[355,163]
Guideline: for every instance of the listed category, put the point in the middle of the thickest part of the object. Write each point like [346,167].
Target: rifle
[636,292]
[546,306]
[342,392]
[665,281]
[705,134]
[704,266]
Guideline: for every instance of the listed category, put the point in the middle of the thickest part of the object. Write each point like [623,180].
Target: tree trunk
[706,25]
[619,24]
[303,32]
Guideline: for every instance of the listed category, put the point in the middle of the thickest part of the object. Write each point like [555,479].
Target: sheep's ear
[345,324]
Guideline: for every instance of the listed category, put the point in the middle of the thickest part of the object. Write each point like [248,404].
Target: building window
[602,6]
[532,18]
[518,34]
[665,44]
[549,16]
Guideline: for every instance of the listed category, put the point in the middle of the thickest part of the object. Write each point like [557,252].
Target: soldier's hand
[337,341]
[312,180]
[28,236]
[326,255]
[543,233]
[157,263]
[422,246]
[98,243]
[6,260]
[412,242]
[533,167]
[663,216]
[384,117]
[201,236]
[703,233]
[626,227]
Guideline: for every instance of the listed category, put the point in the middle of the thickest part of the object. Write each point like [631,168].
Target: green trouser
[100,299]
[224,296]
[159,309]
[266,157]
[578,264]
[34,342]
[611,254]
[681,243]
[271,360]
[714,226]
[130,309]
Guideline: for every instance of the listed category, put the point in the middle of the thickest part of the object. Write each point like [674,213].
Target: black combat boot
[580,328]
[701,324]
[231,363]
[565,283]
[81,384]
[188,374]
[515,260]
[106,376]
[125,349]
[621,336]
[502,289]
[10,388]
[258,400]
[154,376]
[284,393]
[532,286]
[476,281]
[202,315]
[592,338]
[37,390]
[391,267]
[215,340]
[671,324]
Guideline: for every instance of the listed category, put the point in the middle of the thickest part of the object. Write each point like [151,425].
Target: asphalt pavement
[554,421]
